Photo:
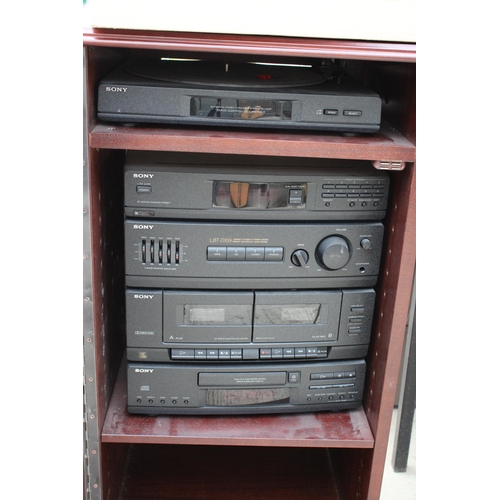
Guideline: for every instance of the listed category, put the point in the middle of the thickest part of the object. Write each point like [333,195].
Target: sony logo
[143,226]
[140,296]
[143,176]
[144,370]
[116,89]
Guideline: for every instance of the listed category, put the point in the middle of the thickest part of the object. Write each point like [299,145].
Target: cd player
[187,389]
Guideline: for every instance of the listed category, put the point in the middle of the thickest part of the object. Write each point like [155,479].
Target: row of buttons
[342,397]
[332,375]
[347,112]
[162,401]
[330,386]
[352,195]
[274,254]
[353,186]
[252,354]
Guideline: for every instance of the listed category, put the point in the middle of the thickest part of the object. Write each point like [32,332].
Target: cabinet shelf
[387,144]
[231,473]
[346,429]
[250,45]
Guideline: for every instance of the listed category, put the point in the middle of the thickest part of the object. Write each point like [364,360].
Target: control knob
[366,244]
[333,253]
[300,258]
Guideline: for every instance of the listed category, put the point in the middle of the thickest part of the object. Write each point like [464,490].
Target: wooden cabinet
[319,455]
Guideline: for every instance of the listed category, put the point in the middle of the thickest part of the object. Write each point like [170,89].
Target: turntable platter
[221,75]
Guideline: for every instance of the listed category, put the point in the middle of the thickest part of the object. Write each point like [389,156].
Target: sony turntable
[208,93]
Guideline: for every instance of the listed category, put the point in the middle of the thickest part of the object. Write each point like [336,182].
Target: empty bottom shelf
[214,472]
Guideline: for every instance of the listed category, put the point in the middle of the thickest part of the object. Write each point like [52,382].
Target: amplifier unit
[251,255]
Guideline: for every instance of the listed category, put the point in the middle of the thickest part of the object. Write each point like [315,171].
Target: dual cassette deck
[249,282]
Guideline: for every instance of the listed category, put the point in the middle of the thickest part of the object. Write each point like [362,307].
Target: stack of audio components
[249,282]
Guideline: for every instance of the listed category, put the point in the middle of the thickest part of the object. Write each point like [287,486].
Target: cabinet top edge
[251,44]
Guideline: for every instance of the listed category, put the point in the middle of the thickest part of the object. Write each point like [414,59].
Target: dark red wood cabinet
[323,455]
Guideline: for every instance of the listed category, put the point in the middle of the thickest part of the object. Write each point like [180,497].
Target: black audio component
[249,282]
[251,255]
[248,326]
[155,388]
[163,185]
[237,95]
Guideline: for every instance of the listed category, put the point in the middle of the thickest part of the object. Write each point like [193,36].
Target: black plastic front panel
[161,253]
[165,185]
[250,389]
[183,325]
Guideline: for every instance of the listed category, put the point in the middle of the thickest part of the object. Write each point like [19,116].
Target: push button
[144,213]
[265,353]
[255,253]
[235,253]
[277,353]
[352,112]
[143,189]
[312,352]
[321,376]
[224,354]
[274,254]
[182,353]
[200,354]
[322,352]
[358,309]
[212,353]
[236,353]
[250,354]
[300,352]
[216,253]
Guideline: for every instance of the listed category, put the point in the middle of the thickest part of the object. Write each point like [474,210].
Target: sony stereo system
[249,282]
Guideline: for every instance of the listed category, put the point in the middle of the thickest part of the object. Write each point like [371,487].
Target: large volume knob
[333,253]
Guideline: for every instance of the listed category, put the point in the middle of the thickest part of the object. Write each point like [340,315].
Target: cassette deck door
[297,317]
[198,317]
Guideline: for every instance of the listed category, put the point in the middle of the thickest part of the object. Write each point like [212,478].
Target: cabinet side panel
[396,84]
[115,457]
[107,295]
[351,470]
[106,208]
[394,295]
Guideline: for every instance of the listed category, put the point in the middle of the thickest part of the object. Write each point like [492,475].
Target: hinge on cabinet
[389,164]
[86,446]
